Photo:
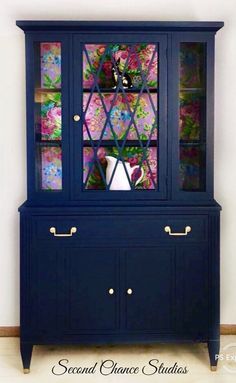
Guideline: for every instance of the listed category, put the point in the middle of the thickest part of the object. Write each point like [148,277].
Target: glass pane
[192,65]
[48,114]
[192,168]
[192,116]
[120,119]
[49,167]
[104,62]
[120,114]
[140,172]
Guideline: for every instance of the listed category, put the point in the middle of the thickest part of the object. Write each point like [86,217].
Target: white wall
[12,121]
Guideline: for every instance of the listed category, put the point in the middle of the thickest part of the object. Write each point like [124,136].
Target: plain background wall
[12,121]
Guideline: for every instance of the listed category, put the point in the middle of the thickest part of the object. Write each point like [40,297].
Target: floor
[148,357]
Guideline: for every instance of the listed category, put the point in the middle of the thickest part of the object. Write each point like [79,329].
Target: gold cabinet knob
[129,291]
[111,291]
[76,117]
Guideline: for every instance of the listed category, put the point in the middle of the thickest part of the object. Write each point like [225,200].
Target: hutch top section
[119,111]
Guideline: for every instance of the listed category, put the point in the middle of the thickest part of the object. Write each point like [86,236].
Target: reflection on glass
[192,65]
[191,110]
[192,167]
[192,116]
[48,114]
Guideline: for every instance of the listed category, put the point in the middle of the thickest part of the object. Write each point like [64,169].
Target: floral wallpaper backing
[139,60]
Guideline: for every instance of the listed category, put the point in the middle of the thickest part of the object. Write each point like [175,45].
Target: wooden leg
[213,349]
[26,353]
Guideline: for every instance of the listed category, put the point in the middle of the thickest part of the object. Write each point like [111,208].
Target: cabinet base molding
[14,331]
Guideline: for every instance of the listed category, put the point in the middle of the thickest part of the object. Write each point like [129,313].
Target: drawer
[143,229]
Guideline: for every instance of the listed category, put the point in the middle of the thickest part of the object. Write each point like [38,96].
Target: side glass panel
[47,115]
[120,116]
[192,116]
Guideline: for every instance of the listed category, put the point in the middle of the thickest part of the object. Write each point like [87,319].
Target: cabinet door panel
[151,276]
[70,289]
[89,274]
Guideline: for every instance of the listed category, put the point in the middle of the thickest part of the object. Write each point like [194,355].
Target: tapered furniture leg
[26,353]
[213,349]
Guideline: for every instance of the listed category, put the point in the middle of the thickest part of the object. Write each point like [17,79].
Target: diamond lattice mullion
[97,88]
[95,75]
[127,104]
[120,86]
[155,124]
[132,121]
[95,159]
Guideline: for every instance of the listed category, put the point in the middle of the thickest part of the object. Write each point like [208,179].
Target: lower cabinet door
[150,289]
[91,289]
[75,289]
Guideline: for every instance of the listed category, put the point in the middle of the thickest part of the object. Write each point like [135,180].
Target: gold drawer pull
[186,231]
[54,232]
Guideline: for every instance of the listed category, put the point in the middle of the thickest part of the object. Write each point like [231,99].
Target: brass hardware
[26,370]
[186,231]
[129,291]
[111,291]
[213,368]
[54,232]
[76,117]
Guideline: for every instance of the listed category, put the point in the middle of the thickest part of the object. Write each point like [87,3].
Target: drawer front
[121,229]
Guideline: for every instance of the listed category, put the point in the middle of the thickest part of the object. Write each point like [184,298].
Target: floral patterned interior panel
[192,65]
[94,170]
[51,168]
[120,109]
[48,116]
[50,60]
[192,106]
[192,164]
[135,62]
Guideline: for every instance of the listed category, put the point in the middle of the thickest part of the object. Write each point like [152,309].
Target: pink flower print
[54,115]
[107,67]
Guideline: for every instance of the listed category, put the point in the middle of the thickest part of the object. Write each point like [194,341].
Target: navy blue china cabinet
[120,229]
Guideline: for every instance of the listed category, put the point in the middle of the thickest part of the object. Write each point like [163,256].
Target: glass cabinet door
[192,116]
[120,124]
[47,115]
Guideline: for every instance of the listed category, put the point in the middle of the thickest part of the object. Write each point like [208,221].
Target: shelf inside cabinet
[114,90]
[128,143]
[49,143]
[192,90]
[47,90]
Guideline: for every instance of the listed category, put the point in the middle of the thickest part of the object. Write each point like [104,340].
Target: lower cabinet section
[72,293]
[155,289]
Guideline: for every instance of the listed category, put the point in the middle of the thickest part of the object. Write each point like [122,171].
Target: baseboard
[225,329]
[228,329]
[10,331]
